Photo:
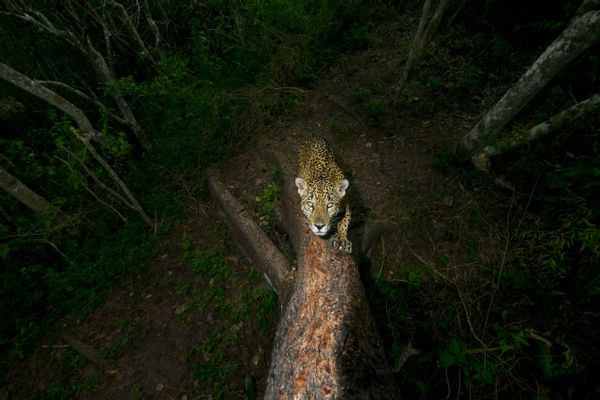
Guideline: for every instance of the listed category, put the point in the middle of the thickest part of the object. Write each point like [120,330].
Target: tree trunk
[435,20]
[426,29]
[417,42]
[21,192]
[570,114]
[581,33]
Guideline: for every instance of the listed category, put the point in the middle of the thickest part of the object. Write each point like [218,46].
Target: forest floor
[173,332]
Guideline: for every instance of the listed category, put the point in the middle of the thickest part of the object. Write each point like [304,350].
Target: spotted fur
[322,187]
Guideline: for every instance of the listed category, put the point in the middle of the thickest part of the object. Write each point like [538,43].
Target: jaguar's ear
[342,186]
[301,185]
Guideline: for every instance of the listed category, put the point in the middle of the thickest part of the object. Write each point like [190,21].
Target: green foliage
[211,263]
[267,206]
[463,81]
[211,360]
[72,364]
[566,232]
[37,295]
[266,303]
[453,354]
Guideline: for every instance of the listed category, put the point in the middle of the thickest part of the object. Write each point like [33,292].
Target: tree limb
[84,96]
[519,139]
[581,33]
[154,29]
[98,62]
[137,38]
[26,196]
[41,91]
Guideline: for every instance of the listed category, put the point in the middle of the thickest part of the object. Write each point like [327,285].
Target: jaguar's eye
[310,204]
[330,205]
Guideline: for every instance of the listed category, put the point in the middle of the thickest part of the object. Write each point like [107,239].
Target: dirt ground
[148,335]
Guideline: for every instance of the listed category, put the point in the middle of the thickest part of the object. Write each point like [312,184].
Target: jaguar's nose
[319,226]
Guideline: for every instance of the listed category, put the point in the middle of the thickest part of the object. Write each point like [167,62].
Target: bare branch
[85,139]
[84,96]
[23,194]
[132,28]
[97,60]
[154,29]
[41,91]
[104,72]
[95,177]
[427,28]
[40,21]
[435,20]
[105,204]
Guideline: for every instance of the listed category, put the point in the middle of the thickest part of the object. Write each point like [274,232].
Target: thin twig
[94,176]
[105,204]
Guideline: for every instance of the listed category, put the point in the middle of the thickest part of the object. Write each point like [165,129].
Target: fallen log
[326,345]
[253,241]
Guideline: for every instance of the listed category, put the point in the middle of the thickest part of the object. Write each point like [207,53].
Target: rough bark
[519,139]
[22,193]
[254,242]
[326,345]
[581,33]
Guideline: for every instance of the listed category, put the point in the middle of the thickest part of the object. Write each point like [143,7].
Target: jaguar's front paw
[343,244]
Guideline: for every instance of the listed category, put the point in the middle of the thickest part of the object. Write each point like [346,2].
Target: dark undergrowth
[517,322]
